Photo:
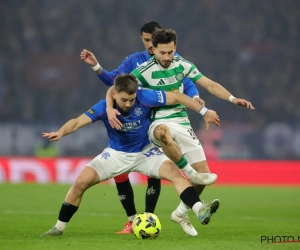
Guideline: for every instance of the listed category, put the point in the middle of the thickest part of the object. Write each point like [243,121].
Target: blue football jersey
[135,60]
[133,136]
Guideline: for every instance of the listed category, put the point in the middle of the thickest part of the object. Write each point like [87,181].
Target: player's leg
[160,134]
[87,178]
[180,215]
[157,165]
[152,194]
[103,167]
[194,153]
[187,195]
[126,196]
[201,167]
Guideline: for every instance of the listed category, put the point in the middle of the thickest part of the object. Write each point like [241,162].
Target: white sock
[131,218]
[196,207]
[182,209]
[61,225]
[188,170]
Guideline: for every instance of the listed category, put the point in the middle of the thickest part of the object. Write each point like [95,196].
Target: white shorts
[111,163]
[185,138]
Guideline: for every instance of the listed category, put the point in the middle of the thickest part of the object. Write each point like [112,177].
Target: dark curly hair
[163,36]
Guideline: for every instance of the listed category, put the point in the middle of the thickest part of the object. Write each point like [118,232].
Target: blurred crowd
[250,47]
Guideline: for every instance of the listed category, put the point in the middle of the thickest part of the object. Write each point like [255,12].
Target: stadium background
[251,48]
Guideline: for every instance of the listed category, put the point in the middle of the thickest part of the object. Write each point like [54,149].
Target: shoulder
[98,111]
[179,59]
[143,94]
[146,65]
[134,55]
[149,97]
[100,107]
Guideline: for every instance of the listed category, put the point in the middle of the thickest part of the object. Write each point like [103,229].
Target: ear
[175,48]
[114,94]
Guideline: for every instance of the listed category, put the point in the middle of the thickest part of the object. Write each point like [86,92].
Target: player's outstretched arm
[105,76]
[89,58]
[209,116]
[69,127]
[219,91]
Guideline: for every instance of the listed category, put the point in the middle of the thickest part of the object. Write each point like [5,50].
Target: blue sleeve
[151,98]
[97,112]
[109,77]
[190,88]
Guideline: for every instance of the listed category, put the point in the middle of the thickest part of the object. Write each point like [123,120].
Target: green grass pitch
[245,214]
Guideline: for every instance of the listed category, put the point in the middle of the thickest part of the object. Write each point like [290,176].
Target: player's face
[124,101]
[164,54]
[146,39]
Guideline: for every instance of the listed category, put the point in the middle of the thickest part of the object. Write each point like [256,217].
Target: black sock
[152,194]
[189,196]
[126,197]
[66,212]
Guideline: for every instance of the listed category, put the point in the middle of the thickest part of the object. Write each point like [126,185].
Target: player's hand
[53,136]
[211,117]
[88,57]
[199,100]
[243,103]
[112,118]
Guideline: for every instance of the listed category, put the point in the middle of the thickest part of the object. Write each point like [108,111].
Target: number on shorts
[153,151]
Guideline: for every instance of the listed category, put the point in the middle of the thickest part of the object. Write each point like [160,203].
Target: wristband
[96,67]
[196,96]
[203,111]
[231,98]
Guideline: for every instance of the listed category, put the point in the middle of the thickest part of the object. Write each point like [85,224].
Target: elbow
[76,124]
[210,87]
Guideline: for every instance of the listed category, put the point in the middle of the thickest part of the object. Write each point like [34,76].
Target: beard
[164,63]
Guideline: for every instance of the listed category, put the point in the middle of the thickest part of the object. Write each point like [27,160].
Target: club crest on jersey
[179,76]
[138,111]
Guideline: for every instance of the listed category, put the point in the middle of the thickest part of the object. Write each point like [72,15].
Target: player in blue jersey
[134,60]
[129,148]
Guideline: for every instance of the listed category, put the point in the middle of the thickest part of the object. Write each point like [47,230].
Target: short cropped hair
[163,36]
[126,83]
[150,27]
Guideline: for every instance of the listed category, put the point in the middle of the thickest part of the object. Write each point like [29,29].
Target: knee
[163,134]
[80,185]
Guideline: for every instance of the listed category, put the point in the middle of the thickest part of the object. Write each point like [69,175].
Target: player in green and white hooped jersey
[171,124]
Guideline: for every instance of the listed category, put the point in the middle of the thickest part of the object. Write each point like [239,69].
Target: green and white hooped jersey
[153,76]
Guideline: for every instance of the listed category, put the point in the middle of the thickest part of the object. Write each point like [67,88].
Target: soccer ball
[146,226]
